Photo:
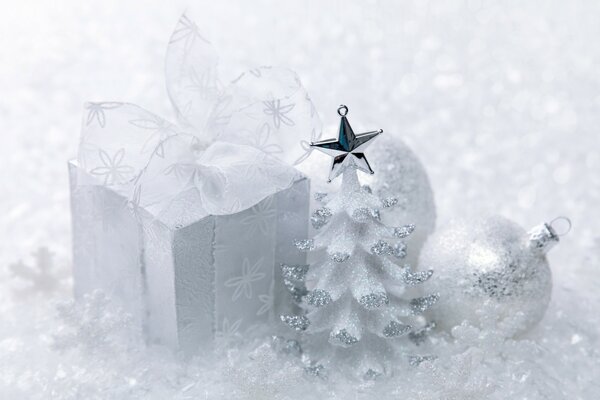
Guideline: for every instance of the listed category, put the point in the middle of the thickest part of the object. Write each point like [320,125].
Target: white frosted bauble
[490,266]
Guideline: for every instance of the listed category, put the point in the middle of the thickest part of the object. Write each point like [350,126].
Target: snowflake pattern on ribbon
[160,130]
[261,140]
[188,32]
[279,112]
[96,112]
[113,170]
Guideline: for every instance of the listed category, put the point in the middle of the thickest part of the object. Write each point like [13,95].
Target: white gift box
[186,276]
[186,223]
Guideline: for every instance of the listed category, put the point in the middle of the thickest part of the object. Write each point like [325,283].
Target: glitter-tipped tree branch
[355,297]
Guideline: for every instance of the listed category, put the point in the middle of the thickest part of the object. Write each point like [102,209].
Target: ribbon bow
[235,144]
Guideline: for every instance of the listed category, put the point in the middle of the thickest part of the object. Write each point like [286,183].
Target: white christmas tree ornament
[357,298]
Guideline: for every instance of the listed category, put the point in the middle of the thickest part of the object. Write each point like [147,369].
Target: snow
[498,99]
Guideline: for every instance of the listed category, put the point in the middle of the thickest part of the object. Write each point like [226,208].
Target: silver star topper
[347,149]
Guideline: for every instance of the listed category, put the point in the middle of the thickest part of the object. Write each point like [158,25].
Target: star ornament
[347,150]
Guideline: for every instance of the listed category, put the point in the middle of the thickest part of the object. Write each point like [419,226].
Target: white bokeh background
[500,100]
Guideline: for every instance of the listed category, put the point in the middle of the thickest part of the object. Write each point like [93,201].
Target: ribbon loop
[234,144]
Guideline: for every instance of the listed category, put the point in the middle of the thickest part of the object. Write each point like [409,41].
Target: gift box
[186,276]
[186,223]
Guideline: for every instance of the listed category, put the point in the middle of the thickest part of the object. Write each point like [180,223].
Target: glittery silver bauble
[491,266]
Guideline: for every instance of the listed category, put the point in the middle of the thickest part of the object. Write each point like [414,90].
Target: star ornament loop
[348,149]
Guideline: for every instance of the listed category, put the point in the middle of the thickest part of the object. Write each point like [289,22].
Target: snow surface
[500,100]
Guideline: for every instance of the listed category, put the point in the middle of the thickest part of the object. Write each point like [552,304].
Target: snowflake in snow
[243,284]
[43,277]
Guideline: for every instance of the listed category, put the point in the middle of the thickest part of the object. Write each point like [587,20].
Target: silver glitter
[509,281]
[316,370]
[305,244]
[403,231]
[296,289]
[415,361]
[389,202]
[297,322]
[364,214]
[416,278]
[421,304]
[501,268]
[320,196]
[343,337]
[371,375]
[286,346]
[320,217]
[419,336]
[294,272]
[382,248]
[340,257]
[375,214]
[400,250]
[318,222]
[395,329]
[318,298]
[293,279]
[374,300]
